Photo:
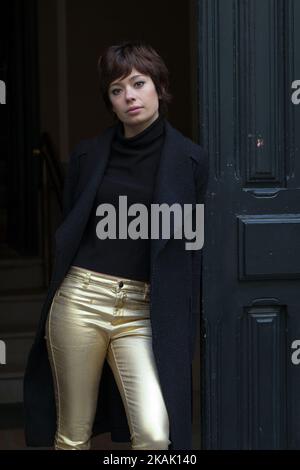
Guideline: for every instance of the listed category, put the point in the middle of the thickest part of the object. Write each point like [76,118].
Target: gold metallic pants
[94,317]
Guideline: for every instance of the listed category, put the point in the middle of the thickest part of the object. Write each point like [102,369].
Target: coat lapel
[173,184]
[91,173]
[174,181]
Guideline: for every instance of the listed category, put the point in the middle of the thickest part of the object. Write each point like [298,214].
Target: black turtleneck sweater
[131,171]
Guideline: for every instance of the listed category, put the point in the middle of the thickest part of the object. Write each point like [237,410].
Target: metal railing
[52,178]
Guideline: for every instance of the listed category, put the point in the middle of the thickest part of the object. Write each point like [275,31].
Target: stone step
[20,310]
[11,384]
[17,347]
[21,273]
[12,373]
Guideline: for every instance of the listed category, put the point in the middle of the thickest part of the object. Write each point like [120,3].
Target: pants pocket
[72,296]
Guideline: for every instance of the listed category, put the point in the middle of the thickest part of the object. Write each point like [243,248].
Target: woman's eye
[116,90]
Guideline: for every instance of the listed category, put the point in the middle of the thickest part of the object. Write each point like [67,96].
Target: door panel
[248,59]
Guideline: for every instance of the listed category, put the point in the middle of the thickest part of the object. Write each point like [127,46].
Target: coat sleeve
[71,179]
[201,183]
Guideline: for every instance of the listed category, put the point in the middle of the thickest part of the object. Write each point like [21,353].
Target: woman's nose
[129,94]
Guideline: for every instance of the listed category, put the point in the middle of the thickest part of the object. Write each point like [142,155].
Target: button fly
[121,284]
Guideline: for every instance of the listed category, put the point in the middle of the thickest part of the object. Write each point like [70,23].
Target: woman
[115,343]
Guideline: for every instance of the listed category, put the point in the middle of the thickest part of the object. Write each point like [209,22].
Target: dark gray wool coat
[174,294]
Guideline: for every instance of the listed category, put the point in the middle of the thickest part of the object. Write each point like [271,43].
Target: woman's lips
[134,111]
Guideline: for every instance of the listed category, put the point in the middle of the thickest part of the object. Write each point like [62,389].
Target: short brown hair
[117,61]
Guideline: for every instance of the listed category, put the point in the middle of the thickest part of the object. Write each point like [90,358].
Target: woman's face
[136,90]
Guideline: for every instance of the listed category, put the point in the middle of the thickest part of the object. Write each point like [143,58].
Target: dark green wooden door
[249,56]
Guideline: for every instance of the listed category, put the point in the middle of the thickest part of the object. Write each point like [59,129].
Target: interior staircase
[22,293]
